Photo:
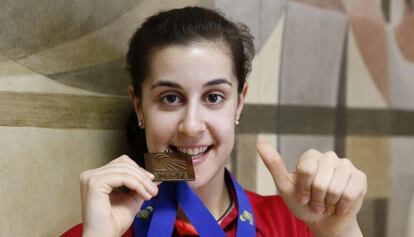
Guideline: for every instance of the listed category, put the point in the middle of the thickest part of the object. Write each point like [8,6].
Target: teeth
[192,151]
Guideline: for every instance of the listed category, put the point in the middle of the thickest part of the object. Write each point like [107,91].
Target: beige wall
[327,74]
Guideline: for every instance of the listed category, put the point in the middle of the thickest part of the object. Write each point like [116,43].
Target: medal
[170,166]
[173,194]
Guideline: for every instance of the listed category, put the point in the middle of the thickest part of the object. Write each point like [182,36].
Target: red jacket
[273,219]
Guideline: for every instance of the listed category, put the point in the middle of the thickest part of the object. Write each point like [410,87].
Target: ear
[242,97]
[135,101]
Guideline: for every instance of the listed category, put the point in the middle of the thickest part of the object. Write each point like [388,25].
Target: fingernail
[329,211]
[304,199]
[318,209]
[340,211]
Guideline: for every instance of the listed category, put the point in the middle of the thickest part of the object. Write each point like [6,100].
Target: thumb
[276,166]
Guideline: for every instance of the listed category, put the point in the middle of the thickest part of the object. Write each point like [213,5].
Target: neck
[369,9]
[214,195]
[405,34]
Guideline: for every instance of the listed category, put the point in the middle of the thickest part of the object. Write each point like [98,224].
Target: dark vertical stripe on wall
[246,160]
[340,113]
[277,110]
[386,9]
[233,161]
[373,217]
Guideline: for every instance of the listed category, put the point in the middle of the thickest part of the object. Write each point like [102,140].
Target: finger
[123,159]
[107,182]
[305,172]
[138,170]
[150,175]
[133,203]
[148,184]
[320,185]
[158,183]
[275,165]
[84,177]
[126,159]
[337,186]
[354,190]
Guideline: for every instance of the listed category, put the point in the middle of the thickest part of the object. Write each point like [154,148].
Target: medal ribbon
[173,194]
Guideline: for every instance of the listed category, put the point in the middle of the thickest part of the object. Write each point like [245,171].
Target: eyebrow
[217,82]
[165,83]
[175,85]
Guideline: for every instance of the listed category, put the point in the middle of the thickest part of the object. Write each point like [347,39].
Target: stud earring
[140,124]
[236,122]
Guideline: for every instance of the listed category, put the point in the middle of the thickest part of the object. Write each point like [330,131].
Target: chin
[196,184]
[200,179]
[203,178]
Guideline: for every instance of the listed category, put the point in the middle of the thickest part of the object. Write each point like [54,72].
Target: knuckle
[92,181]
[124,158]
[332,196]
[364,184]
[335,193]
[363,176]
[309,154]
[348,198]
[154,192]
[147,197]
[84,176]
[364,192]
[123,175]
[305,170]
[346,163]
[361,193]
[312,152]
[330,155]
[315,203]
[318,187]
[135,185]
[303,189]
[121,159]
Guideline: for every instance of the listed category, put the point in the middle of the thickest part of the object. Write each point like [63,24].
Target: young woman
[189,69]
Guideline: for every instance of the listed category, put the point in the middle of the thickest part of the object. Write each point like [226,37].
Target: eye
[214,98]
[171,99]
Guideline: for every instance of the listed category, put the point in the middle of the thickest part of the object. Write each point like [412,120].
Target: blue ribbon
[173,194]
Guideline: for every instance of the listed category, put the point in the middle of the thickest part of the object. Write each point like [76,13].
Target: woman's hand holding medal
[324,191]
[107,210]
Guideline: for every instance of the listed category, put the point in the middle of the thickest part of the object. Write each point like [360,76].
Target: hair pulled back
[410,4]
[182,27]
[185,26]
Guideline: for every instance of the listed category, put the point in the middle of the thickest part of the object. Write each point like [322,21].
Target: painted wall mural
[329,74]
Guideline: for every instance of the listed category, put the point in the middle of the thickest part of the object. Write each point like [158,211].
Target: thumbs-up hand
[324,191]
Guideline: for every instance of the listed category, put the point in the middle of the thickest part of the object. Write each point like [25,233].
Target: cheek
[222,125]
[160,130]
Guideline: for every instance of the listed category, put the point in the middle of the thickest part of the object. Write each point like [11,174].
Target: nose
[192,123]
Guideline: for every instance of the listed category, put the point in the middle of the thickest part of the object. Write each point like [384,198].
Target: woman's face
[190,103]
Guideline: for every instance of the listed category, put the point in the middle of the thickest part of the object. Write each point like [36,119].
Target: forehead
[199,60]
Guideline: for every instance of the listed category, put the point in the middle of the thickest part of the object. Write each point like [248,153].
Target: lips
[194,151]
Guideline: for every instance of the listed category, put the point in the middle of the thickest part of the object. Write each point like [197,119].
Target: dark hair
[182,27]
[410,3]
